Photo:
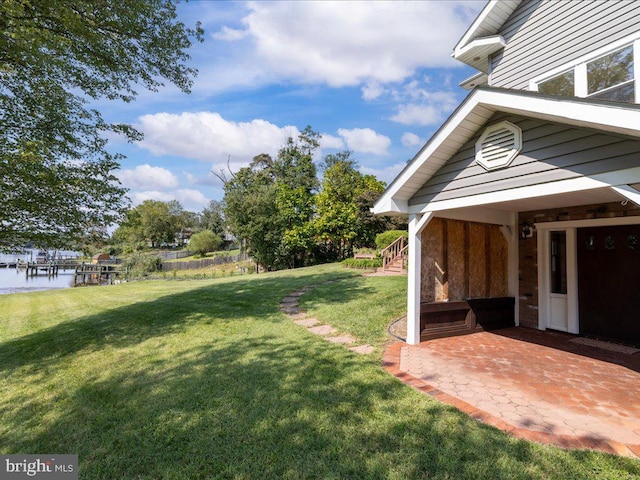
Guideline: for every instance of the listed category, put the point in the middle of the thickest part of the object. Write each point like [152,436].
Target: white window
[611,73]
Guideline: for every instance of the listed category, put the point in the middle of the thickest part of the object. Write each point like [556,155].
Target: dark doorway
[609,282]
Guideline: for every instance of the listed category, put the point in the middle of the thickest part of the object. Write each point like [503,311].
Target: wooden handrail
[393,251]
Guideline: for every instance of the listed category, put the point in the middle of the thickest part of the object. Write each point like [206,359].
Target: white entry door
[558,318]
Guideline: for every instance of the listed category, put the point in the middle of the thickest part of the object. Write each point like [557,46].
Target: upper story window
[562,84]
[611,77]
[605,75]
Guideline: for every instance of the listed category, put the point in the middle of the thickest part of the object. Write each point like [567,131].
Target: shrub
[140,265]
[362,263]
[203,242]
[384,239]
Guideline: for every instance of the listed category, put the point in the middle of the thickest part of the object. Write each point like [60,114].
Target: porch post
[417,222]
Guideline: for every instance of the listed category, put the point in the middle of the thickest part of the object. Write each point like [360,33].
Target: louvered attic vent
[498,145]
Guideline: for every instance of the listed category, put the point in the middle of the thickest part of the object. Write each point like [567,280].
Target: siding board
[545,35]
[551,152]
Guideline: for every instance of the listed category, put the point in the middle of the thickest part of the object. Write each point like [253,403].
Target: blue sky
[372,77]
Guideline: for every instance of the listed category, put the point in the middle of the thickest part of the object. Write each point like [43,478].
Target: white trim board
[592,222]
[477,109]
[630,175]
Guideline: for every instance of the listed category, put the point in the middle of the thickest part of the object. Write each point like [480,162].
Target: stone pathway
[289,306]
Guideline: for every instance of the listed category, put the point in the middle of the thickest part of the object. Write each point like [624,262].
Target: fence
[205,262]
[172,255]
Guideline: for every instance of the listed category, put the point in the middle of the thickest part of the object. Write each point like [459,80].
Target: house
[524,206]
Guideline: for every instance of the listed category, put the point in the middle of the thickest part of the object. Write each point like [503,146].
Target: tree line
[287,218]
[278,210]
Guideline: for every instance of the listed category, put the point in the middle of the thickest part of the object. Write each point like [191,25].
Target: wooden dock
[96,274]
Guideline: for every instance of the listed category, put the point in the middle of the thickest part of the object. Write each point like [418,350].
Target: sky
[373,77]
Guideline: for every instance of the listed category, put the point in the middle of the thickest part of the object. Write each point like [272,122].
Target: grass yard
[200,379]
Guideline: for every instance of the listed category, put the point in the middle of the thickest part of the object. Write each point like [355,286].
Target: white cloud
[330,141]
[372,90]
[207,136]
[421,105]
[190,199]
[229,34]
[418,115]
[410,139]
[138,197]
[365,140]
[147,177]
[386,174]
[348,43]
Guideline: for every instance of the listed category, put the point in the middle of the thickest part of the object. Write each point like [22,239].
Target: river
[13,280]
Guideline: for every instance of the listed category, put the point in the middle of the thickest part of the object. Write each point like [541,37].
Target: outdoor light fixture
[527,230]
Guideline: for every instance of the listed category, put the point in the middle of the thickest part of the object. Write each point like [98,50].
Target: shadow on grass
[268,403]
[236,299]
[266,408]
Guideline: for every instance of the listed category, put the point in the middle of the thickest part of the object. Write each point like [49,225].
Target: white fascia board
[476,53]
[423,156]
[610,179]
[628,193]
[474,80]
[478,214]
[478,24]
[589,222]
[390,206]
[605,116]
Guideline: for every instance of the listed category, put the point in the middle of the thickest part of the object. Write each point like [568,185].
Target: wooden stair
[394,258]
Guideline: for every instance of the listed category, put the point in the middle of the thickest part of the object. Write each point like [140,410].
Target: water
[14,280]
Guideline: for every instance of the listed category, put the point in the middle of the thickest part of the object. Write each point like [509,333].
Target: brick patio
[536,385]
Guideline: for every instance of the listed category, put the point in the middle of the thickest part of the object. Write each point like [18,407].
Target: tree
[55,59]
[151,223]
[344,220]
[252,213]
[212,218]
[203,242]
[269,203]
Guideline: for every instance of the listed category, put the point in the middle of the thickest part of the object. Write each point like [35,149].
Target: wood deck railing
[398,249]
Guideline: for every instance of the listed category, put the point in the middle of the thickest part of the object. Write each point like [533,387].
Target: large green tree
[269,203]
[152,223]
[56,58]
[344,220]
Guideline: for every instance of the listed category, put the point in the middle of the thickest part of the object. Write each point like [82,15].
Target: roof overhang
[482,39]
[477,109]
[476,53]
[478,78]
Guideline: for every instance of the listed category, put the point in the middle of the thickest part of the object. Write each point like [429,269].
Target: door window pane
[558,262]
[562,84]
[611,70]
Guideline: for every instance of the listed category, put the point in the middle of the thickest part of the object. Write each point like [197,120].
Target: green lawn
[207,379]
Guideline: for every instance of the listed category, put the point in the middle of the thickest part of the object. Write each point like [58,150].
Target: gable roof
[477,109]
[481,38]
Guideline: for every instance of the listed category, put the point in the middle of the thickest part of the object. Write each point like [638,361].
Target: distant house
[101,258]
[524,206]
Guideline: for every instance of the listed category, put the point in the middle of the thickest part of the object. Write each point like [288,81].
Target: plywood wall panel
[498,254]
[432,262]
[477,260]
[456,259]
